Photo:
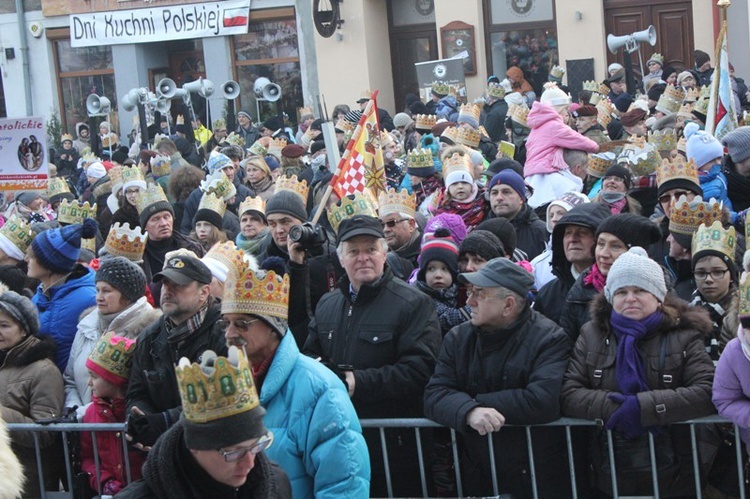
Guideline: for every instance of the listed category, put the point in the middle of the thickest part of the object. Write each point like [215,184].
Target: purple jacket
[731,391]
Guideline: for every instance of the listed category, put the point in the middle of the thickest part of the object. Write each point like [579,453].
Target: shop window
[270,49]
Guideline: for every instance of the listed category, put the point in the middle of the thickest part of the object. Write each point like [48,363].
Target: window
[269,49]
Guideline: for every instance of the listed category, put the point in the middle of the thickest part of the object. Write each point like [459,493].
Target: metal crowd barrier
[417,424]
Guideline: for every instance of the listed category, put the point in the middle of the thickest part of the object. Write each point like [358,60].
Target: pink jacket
[548,137]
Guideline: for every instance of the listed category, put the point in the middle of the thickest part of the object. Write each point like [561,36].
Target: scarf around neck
[631,374]
[596,279]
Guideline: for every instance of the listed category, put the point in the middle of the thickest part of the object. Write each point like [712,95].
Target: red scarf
[472,212]
[596,279]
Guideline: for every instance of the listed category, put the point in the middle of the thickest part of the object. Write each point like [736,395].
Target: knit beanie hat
[451,221]
[96,170]
[218,161]
[623,101]
[620,172]
[737,143]
[287,203]
[511,178]
[123,275]
[631,229]
[702,147]
[701,58]
[57,250]
[635,268]
[112,358]
[567,201]
[483,243]
[656,90]
[554,95]
[682,76]
[27,197]
[458,176]
[22,310]
[504,231]
[440,246]
[402,120]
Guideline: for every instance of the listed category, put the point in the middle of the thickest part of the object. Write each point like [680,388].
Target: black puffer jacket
[530,231]
[576,310]
[517,371]
[494,120]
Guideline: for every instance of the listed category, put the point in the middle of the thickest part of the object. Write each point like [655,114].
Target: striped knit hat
[58,249]
[440,246]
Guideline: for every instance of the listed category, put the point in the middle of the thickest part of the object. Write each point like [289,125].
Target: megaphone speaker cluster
[630,42]
[267,90]
[97,105]
[200,86]
[133,98]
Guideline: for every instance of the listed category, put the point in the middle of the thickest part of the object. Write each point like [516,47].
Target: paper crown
[220,124]
[228,254]
[157,140]
[115,176]
[519,113]
[132,174]
[692,95]
[219,184]
[301,111]
[217,388]
[440,87]
[57,186]
[686,216]
[456,162]
[152,194]
[161,166]
[425,121]
[298,187]
[470,110]
[345,125]
[126,242]
[89,244]
[744,297]
[17,232]
[450,133]
[66,136]
[420,159]
[254,204]
[701,106]
[686,111]
[256,293]
[656,57]
[276,146]
[74,213]
[347,208]
[682,145]
[258,149]
[557,72]
[211,202]
[365,94]
[235,139]
[495,90]
[591,86]
[386,138]
[468,137]
[671,100]
[716,238]
[605,109]
[676,168]
[113,354]
[393,201]
[641,157]
[663,140]
[108,140]
[598,163]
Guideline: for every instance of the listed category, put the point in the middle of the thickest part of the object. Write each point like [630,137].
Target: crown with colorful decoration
[605,110]
[557,72]
[356,204]
[126,242]
[210,201]
[229,255]
[663,140]
[468,137]
[456,162]
[425,121]
[132,174]
[294,185]
[701,105]
[161,166]
[220,124]
[256,293]
[744,297]
[152,194]
[519,113]
[114,354]
[599,163]
[258,148]
[17,232]
[495,91]
[57,186]
[74,213]
[235,139]
[276,146]
[686,216]
[420,158]
[440,87]
[692,95]
[671,100]
[386,138]
[217,388]
[682,145]
[115,176]
[396,201]
[345,126]
[642,157]
[471,110]
[450,133]
[656,57]
[219,184]
[252,203]
[677,168]
[86,160]
[716,238]
[686,111]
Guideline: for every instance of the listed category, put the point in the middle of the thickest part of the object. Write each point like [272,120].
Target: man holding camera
[284,210]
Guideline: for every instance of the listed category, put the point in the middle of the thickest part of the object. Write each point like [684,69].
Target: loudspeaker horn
[200,86]
[163,106]
[133,98]
[166,88]
[230,89]
[267,90]
[96,105]
[648,35]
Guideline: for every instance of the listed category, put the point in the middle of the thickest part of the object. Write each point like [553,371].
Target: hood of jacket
[542,113]
[30,350]
[588,215]
[128,323]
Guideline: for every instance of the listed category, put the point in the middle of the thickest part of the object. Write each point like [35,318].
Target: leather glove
[147,428]
[627,417]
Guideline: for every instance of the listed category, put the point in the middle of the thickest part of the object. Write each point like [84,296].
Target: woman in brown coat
[639,365]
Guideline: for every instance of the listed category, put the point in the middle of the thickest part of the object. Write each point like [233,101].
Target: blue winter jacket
[714,185]
[317,437]
[61,307]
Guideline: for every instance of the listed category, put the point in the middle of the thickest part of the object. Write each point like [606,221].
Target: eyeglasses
[476,292]
[715,275]
[242,325]
[132,191]
[262,444]
[666,198]
[392,223]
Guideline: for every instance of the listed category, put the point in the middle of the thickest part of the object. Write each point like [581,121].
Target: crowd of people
[530,258]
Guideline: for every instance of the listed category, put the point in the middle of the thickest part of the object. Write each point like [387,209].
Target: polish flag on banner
[235,17]
[362,164]
[722,117]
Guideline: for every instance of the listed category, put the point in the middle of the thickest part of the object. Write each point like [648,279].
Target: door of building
[408,47]
[672,19]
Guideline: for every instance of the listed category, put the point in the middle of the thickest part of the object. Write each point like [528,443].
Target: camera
[308,235]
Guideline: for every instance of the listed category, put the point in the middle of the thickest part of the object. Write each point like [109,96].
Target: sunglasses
[242,325]
[392,223]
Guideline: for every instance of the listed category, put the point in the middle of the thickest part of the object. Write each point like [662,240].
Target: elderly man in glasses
[503,367]
[397,216]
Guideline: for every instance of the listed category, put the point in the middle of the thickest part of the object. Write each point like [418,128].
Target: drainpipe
[25,56]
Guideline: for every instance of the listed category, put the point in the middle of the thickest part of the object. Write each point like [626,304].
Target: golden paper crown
[386,138]
[211,202]
[744,297]
[219,184]
[716,238]
[701,106]
[471,110]
[686,216]
[300,188]
[692,95]
[457,162]
[217,388]
[677,168]
[256,293]
[74,213]
[420,158]
[114,354]
[345,125]
[126,242]
[604,89]
[115,176]
[686,111]
[301,111]
[682,145]
[468,137]
[151,195]
[604,110]
[425,121]
[252,203]
[258,149]
[495,90]
[483,131]
[17,232]
[108,140]
[671,100]
[519,113]
[665,140]
[89,244]
[637,141]
[161,166]
[642,157]
[66,136]
[234,139]
[675,92]
[228,254]
[220,124]
[440,87]
[56,186]
[656,56]
[598,163]
[557,72]
[132,174]
[347,208]
[393,201]
[591,86]
[451,133]
[276,146]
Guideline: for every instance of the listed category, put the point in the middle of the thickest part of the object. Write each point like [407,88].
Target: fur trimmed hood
[29,351]
[679,315]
